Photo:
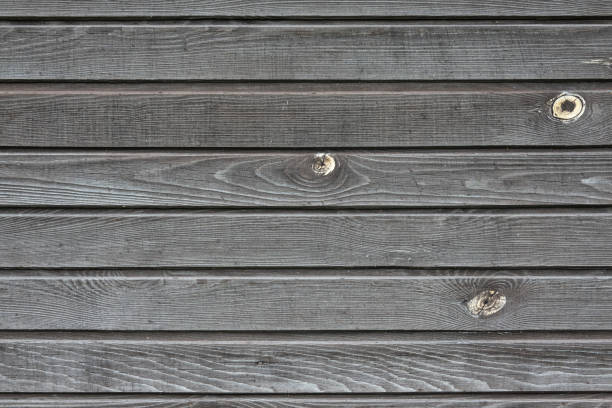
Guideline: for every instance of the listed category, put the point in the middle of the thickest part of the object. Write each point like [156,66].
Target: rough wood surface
[280,179]
[306,300]
[299,115]
[443,401]
[99,238]
[298,8]
[294,263]
[298,364]
[306,51]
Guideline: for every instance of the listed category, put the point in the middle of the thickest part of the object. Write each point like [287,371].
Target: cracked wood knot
[486,303]
[567,107]
[323,164]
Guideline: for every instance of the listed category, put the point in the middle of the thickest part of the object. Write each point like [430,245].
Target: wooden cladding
[302,363]
[312,204]
[105,238]
[305,51]
[308,115]
[288,179]
[320,299]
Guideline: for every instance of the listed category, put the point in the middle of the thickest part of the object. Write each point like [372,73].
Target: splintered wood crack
[486,303]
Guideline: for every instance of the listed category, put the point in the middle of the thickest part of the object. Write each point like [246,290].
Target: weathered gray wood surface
[281,179]
[303,364]
[237,269]
[306,300]
[306,51]
[444,401]
[299,115]
[100,238]
[298,8]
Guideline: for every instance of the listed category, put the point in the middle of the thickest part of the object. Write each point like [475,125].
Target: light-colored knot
[567,107]
[323,164]
[486,303]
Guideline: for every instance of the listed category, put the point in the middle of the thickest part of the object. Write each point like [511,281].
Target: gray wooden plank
[306,51]
[312,300]
[409,401]
[299,364]
[281,179]
[99,238]
[299,115]
[297,8]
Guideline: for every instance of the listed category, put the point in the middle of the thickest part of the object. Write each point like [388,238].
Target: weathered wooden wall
[305,204]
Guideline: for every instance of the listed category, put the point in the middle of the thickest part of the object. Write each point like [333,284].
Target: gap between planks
[302,273]
[296,87]
[382,400]
[310,337]
[305,22]
[552,211]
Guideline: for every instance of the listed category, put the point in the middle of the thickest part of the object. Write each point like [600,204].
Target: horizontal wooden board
[301,364]
[219,401]
[306,51]
[299,115]
[307,300]
[72,238]
[297,8]
[280,179]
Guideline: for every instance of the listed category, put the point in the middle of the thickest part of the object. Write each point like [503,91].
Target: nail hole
[486,303]
[323,164]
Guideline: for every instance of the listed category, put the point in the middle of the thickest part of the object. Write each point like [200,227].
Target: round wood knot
[486,303]
[323,164]
[567,107]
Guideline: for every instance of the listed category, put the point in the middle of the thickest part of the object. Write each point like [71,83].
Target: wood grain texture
[297,8]
[443,401]
[306,51]
[280,239]
[307,300]
[299,115]
[348,364]
[280,179]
